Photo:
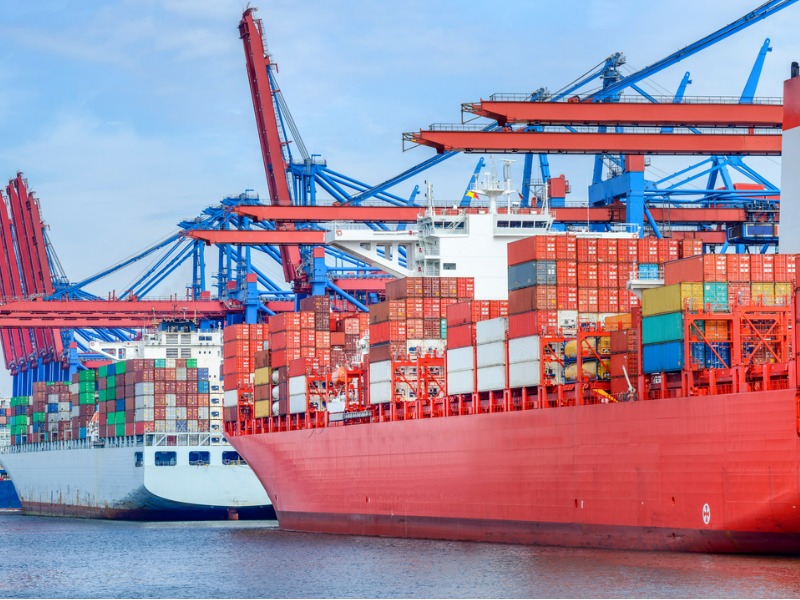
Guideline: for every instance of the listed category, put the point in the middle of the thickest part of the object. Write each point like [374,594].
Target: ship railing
[636,99]
[114,442]
[174,438]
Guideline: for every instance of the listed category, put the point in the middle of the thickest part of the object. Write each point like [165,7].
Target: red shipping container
[588,300]
[459,313]
[607,249]
[397,309]
[414,330]
[566,247]
[738,267]
[498,308]
[407,287]
[587,274]
[567,273]
[431,307]
[533,323]
[461,336]
[739,294]
[567,298]
[607,275]
[647,250]
[627,250]
[466,287]
[668,250]
[587,251]
[608,300]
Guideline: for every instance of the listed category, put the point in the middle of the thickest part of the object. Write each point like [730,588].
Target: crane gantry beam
[379,214]
[258,237]
[644,114]
[446,140]
[108,313]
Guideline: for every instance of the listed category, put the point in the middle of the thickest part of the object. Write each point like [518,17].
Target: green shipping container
[86,398]
[120,429]
[102,371]
[86,386]
[121,367]
[662,328]
[111,418]
[443,329]
[715,296]
[22,420]
[87,375]
[191,363]
[160,363]
[111,381]
[39,417]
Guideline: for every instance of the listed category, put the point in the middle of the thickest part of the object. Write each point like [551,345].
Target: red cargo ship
[699,453]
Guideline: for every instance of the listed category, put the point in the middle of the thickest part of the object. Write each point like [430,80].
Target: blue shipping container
[718,355]
[120,405]
[664,357]
[648,271]
[202,387]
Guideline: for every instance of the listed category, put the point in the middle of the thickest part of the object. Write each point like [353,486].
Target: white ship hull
[123,481]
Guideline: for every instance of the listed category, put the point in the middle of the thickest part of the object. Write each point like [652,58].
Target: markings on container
[706,514]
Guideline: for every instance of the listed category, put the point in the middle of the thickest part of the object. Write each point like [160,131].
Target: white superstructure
[457,241]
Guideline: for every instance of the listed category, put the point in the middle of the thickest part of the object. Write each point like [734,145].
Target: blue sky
[130,115]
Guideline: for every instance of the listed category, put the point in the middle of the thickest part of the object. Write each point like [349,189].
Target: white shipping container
[74,388]
[423,347]
[230,398]
[64,407]
[202,412]
[460,359]
[148,415]
[171,412]
[144,388]
[492,378]
[524,374]
[297,403]
[180,412]
[460,382]
[524,349]
[180,374]
[138,415]
[568,319]
[491,354]
[380,372]
[493,330]
[297,386]
[380,392]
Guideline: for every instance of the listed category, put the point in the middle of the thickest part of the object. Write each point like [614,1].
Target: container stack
[240,343]
[162,395]
[50,407]
[624,347]
[20,419]
[461,321]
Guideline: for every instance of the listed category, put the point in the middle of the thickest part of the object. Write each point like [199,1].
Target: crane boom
[275,167]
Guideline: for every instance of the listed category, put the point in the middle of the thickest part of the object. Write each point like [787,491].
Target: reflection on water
[73,558]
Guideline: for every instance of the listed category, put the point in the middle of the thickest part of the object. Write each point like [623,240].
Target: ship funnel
[795,69]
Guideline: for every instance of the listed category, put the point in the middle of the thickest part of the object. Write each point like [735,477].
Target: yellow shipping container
[783,293]
[672,298]
[763,293]
[263,408]
[263,375]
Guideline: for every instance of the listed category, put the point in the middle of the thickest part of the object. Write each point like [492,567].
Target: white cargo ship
[151,475]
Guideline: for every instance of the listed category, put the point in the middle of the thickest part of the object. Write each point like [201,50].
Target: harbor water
[74,558]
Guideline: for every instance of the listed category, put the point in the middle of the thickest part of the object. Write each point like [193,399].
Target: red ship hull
[703,474]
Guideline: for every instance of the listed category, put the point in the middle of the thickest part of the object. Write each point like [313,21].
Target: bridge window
[139,458]
[448,266]
[166,459]
[232,458]
[199,459]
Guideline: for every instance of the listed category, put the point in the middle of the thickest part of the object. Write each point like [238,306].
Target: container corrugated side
[672,298]
[665,357]
[491,330]
[662,328]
